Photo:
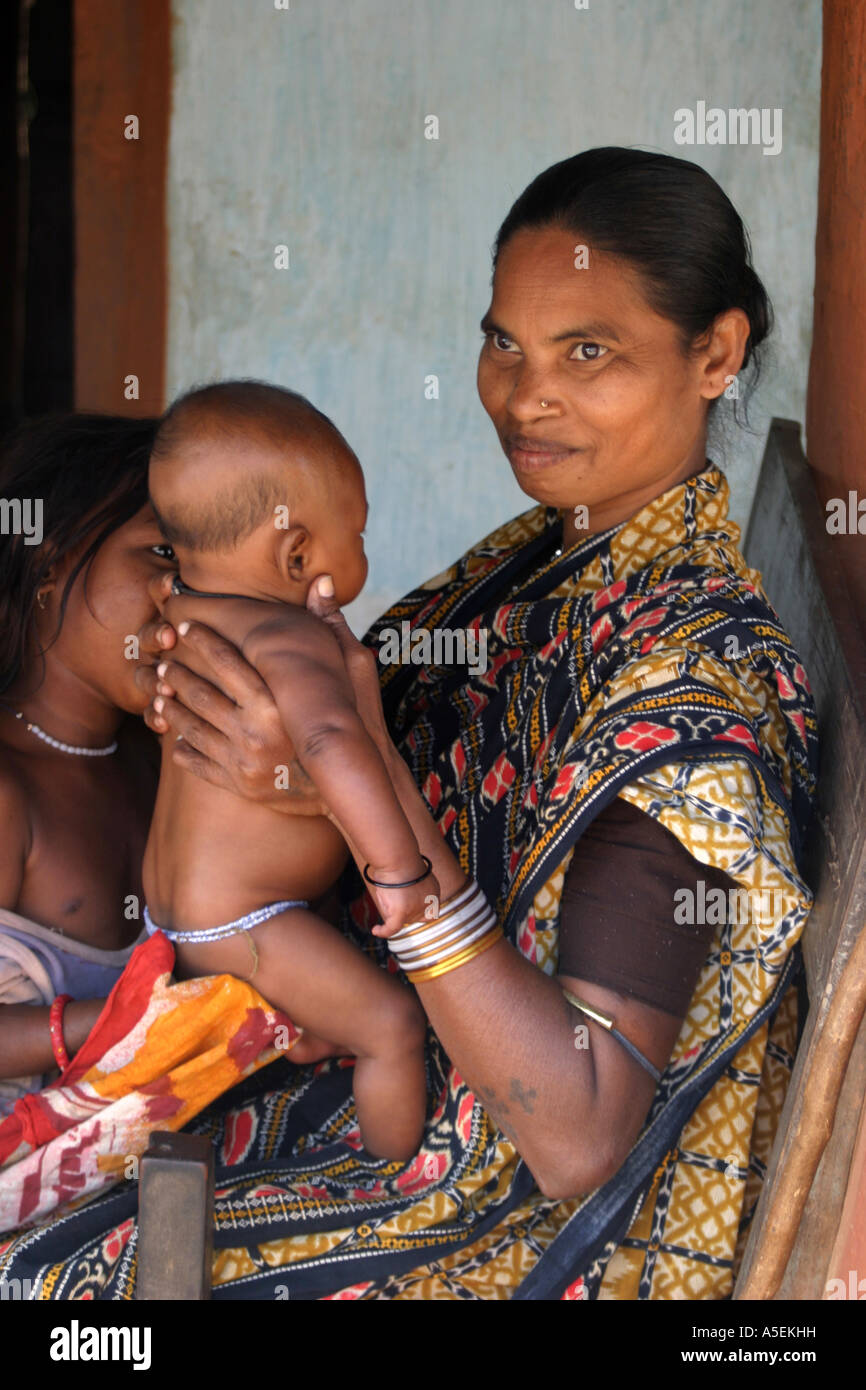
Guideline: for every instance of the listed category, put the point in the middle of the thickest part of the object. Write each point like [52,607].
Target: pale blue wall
[306,127]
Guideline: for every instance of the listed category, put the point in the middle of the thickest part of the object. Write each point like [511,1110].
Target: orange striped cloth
[157,1055]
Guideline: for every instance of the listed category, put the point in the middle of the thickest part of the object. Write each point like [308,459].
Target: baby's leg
[324,983]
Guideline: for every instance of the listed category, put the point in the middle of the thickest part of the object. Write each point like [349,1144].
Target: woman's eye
[593,351]
[163,550]
[500,341]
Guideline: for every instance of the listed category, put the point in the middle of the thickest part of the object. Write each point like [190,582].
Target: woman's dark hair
[90,474]
[666,216]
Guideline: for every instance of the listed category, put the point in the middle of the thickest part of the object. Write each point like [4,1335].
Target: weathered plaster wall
[305,127]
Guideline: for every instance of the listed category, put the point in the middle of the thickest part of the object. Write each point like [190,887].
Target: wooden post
[175,1218]
[836,403]
[121,76]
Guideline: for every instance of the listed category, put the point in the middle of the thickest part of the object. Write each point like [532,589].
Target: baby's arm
[303,667]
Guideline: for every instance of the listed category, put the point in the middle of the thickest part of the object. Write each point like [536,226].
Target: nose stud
[545,404]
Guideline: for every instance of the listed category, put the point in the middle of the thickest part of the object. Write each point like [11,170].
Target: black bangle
[407,884]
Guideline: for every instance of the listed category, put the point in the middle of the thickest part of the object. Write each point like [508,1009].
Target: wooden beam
[121,69]
[836,401]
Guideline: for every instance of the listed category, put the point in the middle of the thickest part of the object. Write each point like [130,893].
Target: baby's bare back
[212,856]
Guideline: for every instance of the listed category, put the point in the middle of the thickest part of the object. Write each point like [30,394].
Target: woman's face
[626,409]
[107,605]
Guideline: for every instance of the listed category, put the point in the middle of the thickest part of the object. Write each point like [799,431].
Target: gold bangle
[418,977]
[444,938]
[444,951]
[443,902]
[462,958]
[589,1009]
[608,1024]
[410,929]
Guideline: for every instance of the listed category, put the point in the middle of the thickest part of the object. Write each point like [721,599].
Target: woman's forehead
[142,522]
[569,289]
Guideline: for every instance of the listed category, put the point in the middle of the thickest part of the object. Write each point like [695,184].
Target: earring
[42,597]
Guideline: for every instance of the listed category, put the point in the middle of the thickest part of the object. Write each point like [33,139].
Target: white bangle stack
[428,948]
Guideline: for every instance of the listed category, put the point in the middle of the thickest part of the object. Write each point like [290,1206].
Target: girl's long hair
[90,474]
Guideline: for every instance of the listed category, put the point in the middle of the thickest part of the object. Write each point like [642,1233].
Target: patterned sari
[646,663]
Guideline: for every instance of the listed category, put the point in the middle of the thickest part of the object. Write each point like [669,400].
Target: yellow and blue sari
[645,663]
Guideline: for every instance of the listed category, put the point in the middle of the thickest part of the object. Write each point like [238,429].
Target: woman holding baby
[597,1072]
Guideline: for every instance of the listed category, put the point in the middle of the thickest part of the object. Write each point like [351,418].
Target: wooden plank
[848,1255]
[812,1261]
[175,1218]
[799,1211]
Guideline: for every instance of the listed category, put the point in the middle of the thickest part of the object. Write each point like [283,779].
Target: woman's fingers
[154,721]
[159,589]
[200,766]
[201,736]
[234,676]
[250,745]
[146,679]
[228,718]
[198,695]
[156,638]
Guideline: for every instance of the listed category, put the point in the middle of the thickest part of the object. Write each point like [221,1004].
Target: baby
[258,494]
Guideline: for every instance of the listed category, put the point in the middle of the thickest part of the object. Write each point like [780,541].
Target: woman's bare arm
[572,1112]
[15,840]
[25,1044]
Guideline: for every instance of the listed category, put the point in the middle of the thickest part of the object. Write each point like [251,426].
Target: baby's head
[257,492]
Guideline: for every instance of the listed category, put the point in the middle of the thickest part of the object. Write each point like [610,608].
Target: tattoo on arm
[488,1095]
[495,1109]
[496,1106]
[523,1098]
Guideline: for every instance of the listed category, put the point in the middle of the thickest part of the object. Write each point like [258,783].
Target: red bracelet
[55,1029]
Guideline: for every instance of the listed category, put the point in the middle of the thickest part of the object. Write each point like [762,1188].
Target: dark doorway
[36,234]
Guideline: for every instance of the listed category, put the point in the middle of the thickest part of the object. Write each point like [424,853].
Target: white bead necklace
[60,746]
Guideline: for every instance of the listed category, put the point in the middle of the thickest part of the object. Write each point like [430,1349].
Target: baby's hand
[401,905]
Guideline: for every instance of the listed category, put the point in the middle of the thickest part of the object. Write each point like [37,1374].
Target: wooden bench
[809,1223]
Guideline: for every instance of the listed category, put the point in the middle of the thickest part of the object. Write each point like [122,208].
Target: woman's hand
[227,730]
[155,640]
